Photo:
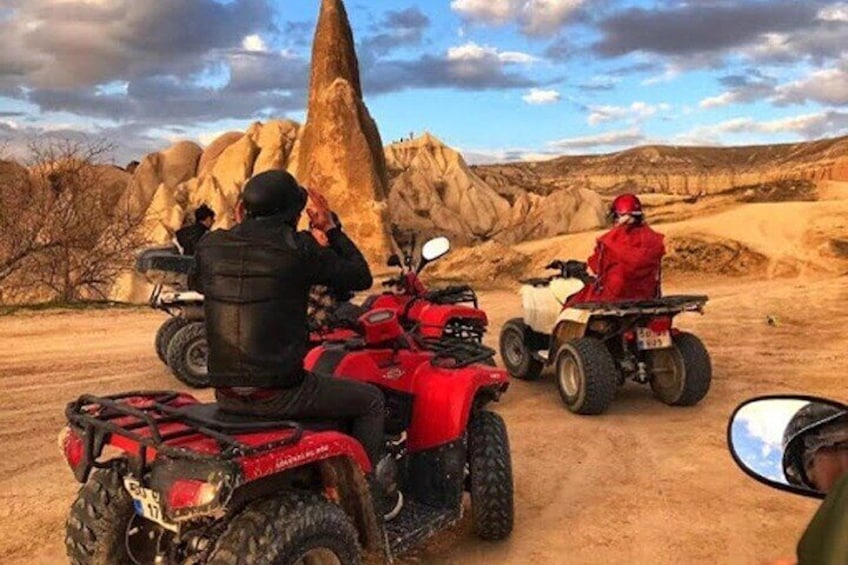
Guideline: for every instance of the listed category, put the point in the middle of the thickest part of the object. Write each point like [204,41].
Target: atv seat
[211,416]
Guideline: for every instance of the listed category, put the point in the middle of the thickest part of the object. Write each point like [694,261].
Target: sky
[757,435]
[497,79]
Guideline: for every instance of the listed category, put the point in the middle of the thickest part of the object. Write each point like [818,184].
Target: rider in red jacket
[627,259]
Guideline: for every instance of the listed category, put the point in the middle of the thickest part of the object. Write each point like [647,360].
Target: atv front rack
[461,294]
[99,416]
[455,353]
[667,305]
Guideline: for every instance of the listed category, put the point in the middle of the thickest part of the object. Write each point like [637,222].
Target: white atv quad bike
[596,347]
[181,339]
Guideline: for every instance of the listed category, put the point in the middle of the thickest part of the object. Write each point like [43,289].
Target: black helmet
[273,193]
[203,211]
[808,419]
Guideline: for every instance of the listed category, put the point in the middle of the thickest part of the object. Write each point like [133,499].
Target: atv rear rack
[461,294]
[666,305]
[461,352]
[96,416]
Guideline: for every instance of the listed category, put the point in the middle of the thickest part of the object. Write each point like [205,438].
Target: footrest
[417,523]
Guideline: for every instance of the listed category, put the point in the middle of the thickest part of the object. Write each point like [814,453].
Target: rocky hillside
[433,190]
[676,169]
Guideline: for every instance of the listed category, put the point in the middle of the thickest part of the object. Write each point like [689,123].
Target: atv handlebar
[571,269]
[397,281]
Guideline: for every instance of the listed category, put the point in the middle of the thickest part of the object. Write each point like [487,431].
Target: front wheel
[96,529]
[289,529]
[516,354]
[587,377]
[490,467]
[188,353]
[165,333]
[681,375]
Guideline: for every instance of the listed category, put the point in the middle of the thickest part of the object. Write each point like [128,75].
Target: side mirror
[793,443]
[435,248]
[394,261]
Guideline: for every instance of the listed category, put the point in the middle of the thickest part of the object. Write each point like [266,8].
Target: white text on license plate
[147,503]
[648,339]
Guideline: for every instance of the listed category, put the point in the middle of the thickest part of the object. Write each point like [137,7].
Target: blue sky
[498,79]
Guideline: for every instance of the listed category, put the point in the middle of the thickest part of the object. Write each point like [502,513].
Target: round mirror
[435,248]
[793,443]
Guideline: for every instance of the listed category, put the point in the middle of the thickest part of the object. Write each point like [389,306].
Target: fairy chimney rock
[340,152]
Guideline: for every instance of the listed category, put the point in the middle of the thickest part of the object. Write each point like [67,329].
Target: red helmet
[626,204]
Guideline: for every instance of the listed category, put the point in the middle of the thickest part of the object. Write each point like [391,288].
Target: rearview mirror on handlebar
[435,248]
[791,443]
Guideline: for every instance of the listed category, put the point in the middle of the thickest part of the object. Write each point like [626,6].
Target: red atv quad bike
[168,479]
[450,312]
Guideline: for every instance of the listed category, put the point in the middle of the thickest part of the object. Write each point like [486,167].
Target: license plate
[147,503]
[649,339]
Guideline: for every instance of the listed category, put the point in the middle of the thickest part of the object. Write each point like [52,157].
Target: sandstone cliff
[433,191]
[340,151]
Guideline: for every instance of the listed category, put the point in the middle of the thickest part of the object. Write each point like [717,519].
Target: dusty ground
[644,483]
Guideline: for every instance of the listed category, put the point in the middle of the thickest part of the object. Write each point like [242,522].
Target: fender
[434,317]
[312,448]
[442,408]
[571,324]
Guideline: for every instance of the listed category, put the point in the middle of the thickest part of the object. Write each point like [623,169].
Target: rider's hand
[320,216]
[238,212]
[320,237]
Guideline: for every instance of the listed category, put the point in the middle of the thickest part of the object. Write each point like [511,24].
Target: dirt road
[644,483]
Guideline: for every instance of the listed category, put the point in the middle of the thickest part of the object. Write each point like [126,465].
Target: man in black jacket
[255,279]
[188,236]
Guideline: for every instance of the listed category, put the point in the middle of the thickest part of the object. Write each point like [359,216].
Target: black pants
[317,397]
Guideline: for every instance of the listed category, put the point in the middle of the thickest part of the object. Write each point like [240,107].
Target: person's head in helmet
[274,193]
[626,209]
[815,446]
[204,215]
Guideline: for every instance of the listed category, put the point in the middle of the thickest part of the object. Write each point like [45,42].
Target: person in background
[626,264]
[188,236]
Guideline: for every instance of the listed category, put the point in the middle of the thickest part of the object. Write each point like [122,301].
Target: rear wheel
[681,375]
[188,353]
[96,529]
[289,529]
[516,354]
[490,467]
[165,333]
[587,377]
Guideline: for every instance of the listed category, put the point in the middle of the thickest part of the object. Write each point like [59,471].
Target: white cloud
[835,13]
[536,17]
[473,52]
[546,17]
[636,112]
[486,11]
[722,99]
[489,156]
[541,96]
[254,43]
[828,86]
[807,126]
[632,136]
